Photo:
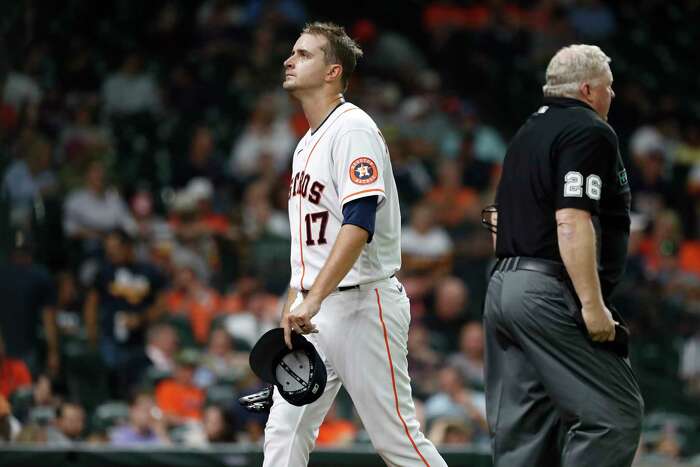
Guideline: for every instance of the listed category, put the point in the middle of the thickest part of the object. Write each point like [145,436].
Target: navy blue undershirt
[361,212]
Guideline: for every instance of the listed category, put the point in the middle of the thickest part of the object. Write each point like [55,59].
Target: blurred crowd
[145,157]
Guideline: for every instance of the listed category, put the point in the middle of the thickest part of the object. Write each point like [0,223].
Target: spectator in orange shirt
[335,430]
[238,299]
[179,398]
[666,249]
[193,298]
[13,373]
[454,202]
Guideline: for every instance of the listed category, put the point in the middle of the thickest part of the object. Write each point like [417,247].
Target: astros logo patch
[363,171]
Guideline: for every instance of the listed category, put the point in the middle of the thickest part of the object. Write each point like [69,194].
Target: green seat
[110,414]
[153,376]
[22,398]
[183,326]
[41,415]
[221,394]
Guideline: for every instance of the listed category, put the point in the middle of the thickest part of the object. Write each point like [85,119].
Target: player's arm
[357,230]
[347,248]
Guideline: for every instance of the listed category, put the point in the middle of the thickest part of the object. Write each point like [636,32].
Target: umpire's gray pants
[552,398]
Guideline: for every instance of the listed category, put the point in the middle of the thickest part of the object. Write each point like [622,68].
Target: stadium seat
[221,394]
[110,414]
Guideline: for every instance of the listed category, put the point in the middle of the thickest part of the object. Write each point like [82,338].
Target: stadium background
[166,119]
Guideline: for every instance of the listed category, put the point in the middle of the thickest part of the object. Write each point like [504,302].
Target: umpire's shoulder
[588,121]
[602,129]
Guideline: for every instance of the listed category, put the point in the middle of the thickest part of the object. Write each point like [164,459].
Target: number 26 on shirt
[573,185]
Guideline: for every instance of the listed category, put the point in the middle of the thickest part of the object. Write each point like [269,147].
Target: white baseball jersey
[344,159]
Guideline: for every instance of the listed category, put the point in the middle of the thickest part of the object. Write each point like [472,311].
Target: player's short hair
[572,66]
[340,49]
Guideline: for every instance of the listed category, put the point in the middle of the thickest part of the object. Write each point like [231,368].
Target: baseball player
[345,224]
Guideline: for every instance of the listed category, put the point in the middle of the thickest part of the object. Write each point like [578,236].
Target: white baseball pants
[362,338]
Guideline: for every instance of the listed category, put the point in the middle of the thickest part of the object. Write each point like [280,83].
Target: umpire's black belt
[523,263]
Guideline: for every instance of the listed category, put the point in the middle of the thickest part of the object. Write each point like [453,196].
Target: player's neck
[317,109]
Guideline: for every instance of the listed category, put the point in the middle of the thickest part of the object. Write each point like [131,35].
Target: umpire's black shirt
[564,156]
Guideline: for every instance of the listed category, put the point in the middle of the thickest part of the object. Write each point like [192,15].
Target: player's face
[601,94]
[306,67]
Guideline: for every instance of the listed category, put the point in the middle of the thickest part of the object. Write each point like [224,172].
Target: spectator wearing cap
[201,191]
[125,296]
[649,178]
[145,426]
[28,306]
[195,226]
[178,397]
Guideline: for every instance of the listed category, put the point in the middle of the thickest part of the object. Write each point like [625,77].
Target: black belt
[523,263]
[344,288]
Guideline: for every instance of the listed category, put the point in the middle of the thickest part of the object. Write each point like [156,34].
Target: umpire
[560,390]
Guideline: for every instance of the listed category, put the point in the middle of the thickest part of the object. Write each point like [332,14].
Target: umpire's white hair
[572,66]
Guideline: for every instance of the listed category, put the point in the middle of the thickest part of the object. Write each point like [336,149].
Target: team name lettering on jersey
[299,185]
[343,160]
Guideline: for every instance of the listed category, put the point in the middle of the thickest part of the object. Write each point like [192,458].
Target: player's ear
[335,72]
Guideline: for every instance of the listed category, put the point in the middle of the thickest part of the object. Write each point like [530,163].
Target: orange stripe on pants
[393,380]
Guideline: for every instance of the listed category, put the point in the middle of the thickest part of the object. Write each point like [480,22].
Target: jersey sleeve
[583,166]
[359,165]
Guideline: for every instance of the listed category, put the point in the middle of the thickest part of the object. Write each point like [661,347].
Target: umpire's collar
[565,102]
